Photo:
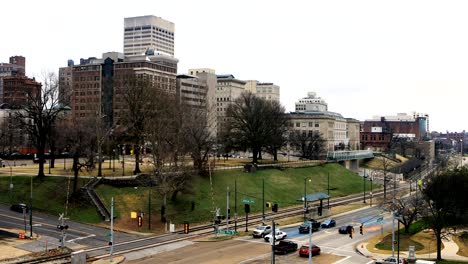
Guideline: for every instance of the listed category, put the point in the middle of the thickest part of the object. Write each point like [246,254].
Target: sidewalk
[449,252]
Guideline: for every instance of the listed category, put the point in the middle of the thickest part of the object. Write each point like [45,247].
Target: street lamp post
[305,197]
[364,177]
[461,152]
[113,160]
[123,160]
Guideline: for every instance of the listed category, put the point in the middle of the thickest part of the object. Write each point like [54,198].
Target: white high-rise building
[145,33]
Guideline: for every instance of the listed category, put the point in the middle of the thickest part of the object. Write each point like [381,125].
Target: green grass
[49,195]
[405,242]
[283,187]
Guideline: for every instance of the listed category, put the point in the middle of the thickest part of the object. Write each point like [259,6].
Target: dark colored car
[284,247]
[304,228]
[304,250]
[328,223]
[346,229]
[19,208]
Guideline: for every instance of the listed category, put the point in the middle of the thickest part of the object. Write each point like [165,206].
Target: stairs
[89,191]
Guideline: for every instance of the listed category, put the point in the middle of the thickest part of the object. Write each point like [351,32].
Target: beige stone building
[312,117]
[228,88]
[267,91]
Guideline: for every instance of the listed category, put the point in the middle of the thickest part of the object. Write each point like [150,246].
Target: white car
[279,235]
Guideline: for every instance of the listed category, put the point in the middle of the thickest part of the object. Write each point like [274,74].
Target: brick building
[15,87]
[378,133]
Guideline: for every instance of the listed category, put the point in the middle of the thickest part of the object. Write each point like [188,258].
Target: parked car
[328,223]
[285,247]
[36,157]
[304,250]
[19,208]
[304,228]
[261,231]
[346,229]
[391,260]
[280,235]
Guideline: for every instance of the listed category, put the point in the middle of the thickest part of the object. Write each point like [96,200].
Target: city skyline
[363,58]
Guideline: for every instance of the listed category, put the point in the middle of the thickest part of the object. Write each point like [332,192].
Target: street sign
[245,200]
[227,232]
[380,219]
[133,215]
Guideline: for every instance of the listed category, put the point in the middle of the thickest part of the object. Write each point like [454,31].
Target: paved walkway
[449,252]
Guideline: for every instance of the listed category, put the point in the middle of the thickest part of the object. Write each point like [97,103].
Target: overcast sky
[365,58]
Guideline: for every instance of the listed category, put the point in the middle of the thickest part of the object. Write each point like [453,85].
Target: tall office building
[148,33]
[267,91]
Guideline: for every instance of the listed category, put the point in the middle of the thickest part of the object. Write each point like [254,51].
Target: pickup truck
[284,247]
[261,231]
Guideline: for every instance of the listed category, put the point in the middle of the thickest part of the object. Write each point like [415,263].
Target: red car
[304,250]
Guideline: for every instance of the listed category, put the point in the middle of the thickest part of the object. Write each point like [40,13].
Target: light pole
[328,191]
[123,160]
[371,179]
[461,152]
[263,200]
[364,177]
[305,197]
[113,161]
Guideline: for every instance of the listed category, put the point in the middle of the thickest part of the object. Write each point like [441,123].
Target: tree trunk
[275,154]
[438,232]
[75,173]
[254,155]
[40,154]
[406,228]
[174,195]
[137,161]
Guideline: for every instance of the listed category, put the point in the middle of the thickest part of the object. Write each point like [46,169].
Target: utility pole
[111,231]
[31,209]
[263,200]
[149,207]
[364,186]
[235,205]
[310,242]
[273,236]
[393,234]
[123,160]
[328,191]
[227,209]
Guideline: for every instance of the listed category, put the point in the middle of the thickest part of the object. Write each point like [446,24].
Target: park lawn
[462,241]
[49,196]
[283,187]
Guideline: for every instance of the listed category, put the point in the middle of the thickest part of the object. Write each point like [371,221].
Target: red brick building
[15,87]
[377,133]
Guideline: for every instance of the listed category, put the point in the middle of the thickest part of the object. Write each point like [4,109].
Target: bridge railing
[350,155]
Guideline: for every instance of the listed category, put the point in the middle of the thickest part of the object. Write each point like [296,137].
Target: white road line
[341,260]
[79,238]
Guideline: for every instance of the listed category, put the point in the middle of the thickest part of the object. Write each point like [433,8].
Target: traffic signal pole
[227,209]
[235,205]
[111,231]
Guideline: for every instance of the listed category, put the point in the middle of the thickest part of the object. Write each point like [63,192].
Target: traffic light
[351,232]
[110,243]
[361,230]
[140,221]
[247,208]
[61,227]
[319,211]
[186,228]
[275,208]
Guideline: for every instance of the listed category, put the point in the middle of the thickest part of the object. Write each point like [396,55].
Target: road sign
[380,219]
[245,200]
[133,215]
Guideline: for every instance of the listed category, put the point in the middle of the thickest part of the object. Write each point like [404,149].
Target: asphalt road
[335,247]
[77,233]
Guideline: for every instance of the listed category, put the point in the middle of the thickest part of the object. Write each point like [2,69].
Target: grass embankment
[49,195]
[283,187]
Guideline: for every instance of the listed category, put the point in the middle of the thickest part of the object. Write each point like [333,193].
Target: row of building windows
[304,124]
[223,99]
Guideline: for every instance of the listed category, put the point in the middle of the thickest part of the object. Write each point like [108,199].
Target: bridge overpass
[350,158]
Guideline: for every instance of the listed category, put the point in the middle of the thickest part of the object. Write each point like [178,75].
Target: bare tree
[248,125]
[311,146]
[79,137]
[278,123]
[137,94]
[39,115]
[408,208]
[198,138]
